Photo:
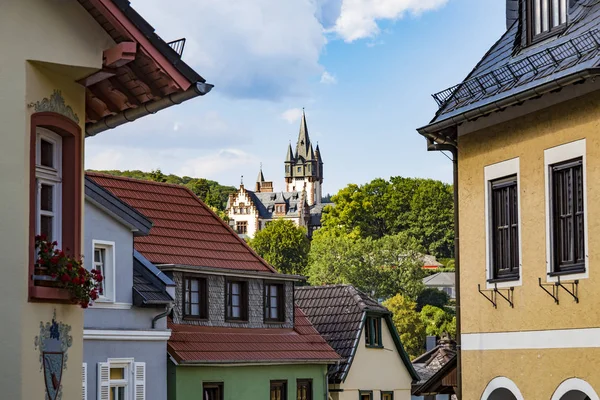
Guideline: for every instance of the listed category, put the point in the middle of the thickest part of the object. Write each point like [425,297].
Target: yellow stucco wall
[536,372]
[377,370]
[47,45]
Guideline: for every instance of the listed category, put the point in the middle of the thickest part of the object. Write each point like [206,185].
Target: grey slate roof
[265,203]
[149,283]
[316,211]
[584,19]
[446,279]
[439,360]
[337,312]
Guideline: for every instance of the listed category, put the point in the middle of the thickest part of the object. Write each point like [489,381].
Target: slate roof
[440,279]
[434,365]
[265,203]
[337,312]
[149,283]
[185,231]
[190,344]
[581,36]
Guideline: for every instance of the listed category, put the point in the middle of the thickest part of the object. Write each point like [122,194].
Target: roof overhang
[142,74]
[231,272]
[242,363]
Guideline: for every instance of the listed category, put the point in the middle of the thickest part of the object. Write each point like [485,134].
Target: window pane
[117,373]
[195,298]
[195,308]
[46,226]
[537,16]
[194,285]
[235,312]
[555,12]
[274,313]
[273,290]
[46,153]
[99,255]
[545,15]
[235,288]
[46,197]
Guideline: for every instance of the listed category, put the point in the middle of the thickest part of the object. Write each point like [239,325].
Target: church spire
[290,154]
[303,145]
[261,177]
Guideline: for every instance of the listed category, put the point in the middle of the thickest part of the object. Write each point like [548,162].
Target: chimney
[512,12]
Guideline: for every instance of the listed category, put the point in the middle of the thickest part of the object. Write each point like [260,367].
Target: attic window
[373,332]
[546,18]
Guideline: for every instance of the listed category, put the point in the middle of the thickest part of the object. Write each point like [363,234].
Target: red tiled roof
[216,345]
[185,231]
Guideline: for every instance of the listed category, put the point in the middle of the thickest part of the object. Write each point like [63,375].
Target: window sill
[47,294]
[267,322]
[572,271]
[551,34]
[513,278]
[193,318]
[236,321]
[368,346]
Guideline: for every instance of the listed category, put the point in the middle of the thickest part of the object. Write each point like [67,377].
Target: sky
[364,70]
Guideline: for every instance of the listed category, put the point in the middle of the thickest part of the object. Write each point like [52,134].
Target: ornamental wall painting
[53,343]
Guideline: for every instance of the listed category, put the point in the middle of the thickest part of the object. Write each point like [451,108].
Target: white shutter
[103,381]
[140,381]
[84,382]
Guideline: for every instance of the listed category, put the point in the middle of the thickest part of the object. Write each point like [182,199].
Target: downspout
[161,315]
[432,146]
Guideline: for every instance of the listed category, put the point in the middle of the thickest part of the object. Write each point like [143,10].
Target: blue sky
[364,70]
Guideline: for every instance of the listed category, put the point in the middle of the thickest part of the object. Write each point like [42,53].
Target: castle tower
[263,186]
[304,168]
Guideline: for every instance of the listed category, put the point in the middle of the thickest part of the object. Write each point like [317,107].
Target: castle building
[250,211]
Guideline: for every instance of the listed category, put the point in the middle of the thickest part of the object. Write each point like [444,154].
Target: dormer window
[546,17]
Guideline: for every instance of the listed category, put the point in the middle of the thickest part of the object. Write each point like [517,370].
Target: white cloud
[220,163]
[328,79]
[292,115]
[358,18]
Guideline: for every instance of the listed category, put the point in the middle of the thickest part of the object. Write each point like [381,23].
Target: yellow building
[524,128]
[68,69]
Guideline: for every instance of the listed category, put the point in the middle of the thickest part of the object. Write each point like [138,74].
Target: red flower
[65,278]
[55,243]
[54,260]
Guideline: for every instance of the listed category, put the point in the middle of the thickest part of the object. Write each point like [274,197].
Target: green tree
[432,297]
[408,324]
[283,245]
[157,176]
[200,187]
[381,267]
[438,321]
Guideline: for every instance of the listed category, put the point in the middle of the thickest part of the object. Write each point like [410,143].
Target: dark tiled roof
[432,365]
[508,52]
[265,203]
[215,345]
[149,284]
[337,312]
[185,231]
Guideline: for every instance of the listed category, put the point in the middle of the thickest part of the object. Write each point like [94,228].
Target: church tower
[304,167]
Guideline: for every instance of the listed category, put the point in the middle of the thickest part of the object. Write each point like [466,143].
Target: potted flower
[60,270]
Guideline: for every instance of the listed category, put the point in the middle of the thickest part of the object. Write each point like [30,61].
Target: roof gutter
[434,129]
[151,107]
[258,362]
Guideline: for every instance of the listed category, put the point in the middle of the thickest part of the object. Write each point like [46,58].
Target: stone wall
[216,304]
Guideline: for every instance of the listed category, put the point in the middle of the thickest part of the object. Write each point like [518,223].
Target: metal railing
[562,55]
[178,46]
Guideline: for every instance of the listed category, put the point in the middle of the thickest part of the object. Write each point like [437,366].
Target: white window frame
[491,173]
[555,155]
[52,177]
[109,295]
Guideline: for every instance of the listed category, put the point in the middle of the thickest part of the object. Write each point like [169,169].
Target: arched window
[501,388]
[575,389]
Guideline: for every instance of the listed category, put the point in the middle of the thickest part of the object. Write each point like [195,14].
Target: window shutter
[103,381]
[84,382]
[140,381]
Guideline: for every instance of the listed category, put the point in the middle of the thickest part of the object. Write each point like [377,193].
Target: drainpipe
[161,315]
[432,146]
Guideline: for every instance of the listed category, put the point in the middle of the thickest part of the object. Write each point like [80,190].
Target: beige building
[524,129]
[374,364]
[69,69]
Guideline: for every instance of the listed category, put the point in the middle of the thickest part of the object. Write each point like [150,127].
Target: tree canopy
[422,208]
[381,267]
[283,245]
[210,192]
[438,321]
[408,323]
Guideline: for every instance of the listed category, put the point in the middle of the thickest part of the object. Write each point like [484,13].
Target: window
[373,332]
[236,296]
[195,298]
[274,302]
[387,395]
[280,209]
[567,219]
[546,17]
[304,389]
[48,177]
[299,169]
[213,391]
[505,228]
[242,227]
[121,379]
[278,390]
[365,395]
[103,259]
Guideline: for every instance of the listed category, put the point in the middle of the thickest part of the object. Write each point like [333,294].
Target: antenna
[242,180]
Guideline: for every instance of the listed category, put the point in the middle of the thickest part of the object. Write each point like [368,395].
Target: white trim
[575,384]
[549,339]
[501,382]
[493,172]
[101,334]
[99,304]
[552,156]
[110,295]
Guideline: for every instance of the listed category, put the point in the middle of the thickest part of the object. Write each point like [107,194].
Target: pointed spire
[311,154]
[261,177]
[318,154]
[290,154]
[303,145]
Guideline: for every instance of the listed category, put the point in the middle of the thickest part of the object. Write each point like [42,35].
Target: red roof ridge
[193,195]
